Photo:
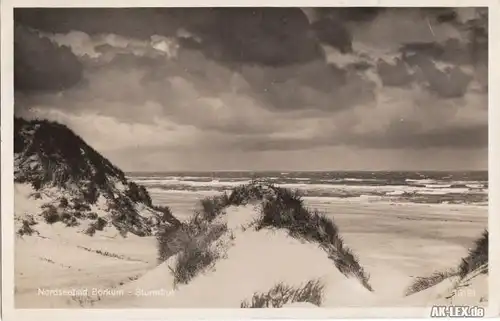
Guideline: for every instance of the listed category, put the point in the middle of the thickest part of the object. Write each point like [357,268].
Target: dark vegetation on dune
[197,255]
[192,242]
[27,226]
[281,294]
[477,256]
[49,154]
[287,211]
[280,208]
[476,260]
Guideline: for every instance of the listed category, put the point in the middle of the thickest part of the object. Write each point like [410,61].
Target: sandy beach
[395,242]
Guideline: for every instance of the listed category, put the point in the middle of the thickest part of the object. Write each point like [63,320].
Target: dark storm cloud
[471,50]
[423,61]
[358,14]
[40,64]
[404,137]
[449,83]
[394,74]
[313,86]
[331,24]
[452,51]
[268,36]
[260,79]
[443,15]
[401,136]
[132,22]
[262,144]
[333,33]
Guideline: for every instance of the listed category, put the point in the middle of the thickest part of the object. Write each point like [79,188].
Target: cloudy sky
[261,88]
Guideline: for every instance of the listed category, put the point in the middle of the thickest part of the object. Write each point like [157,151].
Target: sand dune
[119,272]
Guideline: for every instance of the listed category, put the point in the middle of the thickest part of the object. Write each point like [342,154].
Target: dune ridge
[81,224]
[77,185]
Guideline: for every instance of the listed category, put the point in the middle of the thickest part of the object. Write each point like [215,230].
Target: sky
[165,89]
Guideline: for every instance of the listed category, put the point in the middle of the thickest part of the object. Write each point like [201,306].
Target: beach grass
[281,294]
[280,208]
[475,259]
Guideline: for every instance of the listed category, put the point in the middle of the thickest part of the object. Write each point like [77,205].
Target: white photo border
[7,175]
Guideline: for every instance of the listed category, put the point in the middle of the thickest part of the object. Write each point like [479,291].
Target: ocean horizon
[433,187]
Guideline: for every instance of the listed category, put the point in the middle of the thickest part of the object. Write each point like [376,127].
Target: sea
[443,187]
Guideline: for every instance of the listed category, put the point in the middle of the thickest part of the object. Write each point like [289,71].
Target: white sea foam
[176,191]
[420,181]
[395,193]
[212,183]
[360,180]
[328,187]
[475,186]
[437,185]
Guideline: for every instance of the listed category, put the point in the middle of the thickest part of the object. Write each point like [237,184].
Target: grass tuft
[423,283]
[192,260]
[69,220]
[100,224]
[50,215]
[90,231]
[191,242]
[476,258]
[91,216]
[97,225]
[282,294]
[166,215]
[174,239]
[26,227]
[211,207]
[63,202]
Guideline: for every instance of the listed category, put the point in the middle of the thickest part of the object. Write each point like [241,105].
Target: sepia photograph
[250,157]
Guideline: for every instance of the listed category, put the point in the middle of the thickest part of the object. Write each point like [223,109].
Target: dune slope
[249,262]
[88,237]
